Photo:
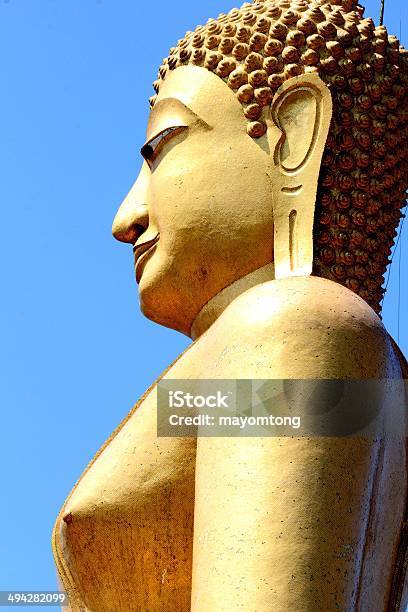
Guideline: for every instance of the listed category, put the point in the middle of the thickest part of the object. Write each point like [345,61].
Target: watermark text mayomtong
[251,408]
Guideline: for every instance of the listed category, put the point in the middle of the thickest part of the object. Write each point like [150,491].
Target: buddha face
[200,214]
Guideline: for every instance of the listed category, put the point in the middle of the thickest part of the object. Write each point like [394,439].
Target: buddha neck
[214,307]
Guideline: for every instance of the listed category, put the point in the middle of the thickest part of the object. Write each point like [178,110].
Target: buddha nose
[132,218]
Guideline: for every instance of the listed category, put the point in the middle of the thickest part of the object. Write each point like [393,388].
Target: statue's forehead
[203,93]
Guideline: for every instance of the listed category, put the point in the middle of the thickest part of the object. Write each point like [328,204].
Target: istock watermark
[180,399]
[259,408]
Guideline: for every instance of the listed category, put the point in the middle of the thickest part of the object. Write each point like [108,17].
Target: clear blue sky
[75,353]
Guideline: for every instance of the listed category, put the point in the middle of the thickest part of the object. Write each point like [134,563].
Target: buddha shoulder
[299,327]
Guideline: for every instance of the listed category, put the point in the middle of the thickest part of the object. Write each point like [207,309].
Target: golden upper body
[124,539]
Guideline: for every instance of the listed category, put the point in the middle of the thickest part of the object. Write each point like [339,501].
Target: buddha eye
[151,149]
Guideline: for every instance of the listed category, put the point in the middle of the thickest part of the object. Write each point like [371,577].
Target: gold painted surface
[264,509]
[225,219]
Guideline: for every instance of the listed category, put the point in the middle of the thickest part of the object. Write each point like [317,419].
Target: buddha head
[277,135]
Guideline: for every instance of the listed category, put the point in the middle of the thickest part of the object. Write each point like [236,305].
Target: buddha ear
[302,110]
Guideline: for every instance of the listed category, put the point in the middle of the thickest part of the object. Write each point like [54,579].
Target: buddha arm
[297,524]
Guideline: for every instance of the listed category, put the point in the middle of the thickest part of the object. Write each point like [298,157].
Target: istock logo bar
[261,408]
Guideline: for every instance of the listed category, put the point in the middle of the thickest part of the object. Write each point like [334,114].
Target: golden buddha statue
[262,223]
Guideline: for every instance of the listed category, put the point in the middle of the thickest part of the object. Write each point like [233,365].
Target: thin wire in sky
[382,12]
[395,250]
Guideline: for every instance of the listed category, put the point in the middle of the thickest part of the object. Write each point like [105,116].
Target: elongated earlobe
[301,110]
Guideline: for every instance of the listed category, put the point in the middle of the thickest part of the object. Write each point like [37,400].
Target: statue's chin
[160,300]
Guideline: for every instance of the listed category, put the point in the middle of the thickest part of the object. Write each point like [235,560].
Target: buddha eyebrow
[165,105]
[166,102]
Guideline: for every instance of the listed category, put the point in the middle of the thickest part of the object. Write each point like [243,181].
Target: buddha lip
[139,249]
[140,253]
